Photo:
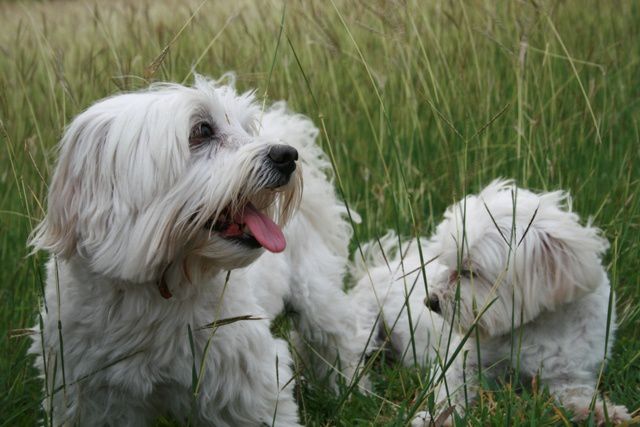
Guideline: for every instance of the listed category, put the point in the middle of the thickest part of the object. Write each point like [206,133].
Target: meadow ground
[419,102]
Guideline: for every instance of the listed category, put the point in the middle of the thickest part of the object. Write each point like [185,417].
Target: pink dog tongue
[266,232]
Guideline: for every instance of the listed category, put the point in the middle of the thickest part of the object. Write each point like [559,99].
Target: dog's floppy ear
[559,259]
[58,231]
[101,187]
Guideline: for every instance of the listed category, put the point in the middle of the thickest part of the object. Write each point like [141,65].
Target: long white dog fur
[160,209]
[520,268]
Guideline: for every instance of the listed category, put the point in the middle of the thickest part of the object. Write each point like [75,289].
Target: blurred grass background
[421,102]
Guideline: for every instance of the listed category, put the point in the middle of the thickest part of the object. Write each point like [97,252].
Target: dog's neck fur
[188,278]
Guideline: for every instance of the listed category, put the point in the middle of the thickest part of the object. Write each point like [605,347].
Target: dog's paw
[361,379]
[422,419]
[364,385]
[617,414]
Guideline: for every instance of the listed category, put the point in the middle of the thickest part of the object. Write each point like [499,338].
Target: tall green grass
[419,103]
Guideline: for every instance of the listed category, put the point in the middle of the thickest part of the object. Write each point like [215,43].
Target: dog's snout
[433,303]
[283,158]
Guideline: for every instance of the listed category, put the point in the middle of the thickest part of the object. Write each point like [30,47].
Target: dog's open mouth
[249,227]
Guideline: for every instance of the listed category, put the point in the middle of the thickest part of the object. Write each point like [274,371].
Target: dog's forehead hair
[225,107]
[480,227]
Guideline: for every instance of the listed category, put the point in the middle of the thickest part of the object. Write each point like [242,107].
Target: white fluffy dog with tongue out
[178,227]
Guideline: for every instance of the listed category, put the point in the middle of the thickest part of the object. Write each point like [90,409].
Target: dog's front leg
[454,392]
[248,377]
[331,332]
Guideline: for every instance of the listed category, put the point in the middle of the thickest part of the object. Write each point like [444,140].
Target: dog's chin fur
[225,254]
[140,264]
[504,260]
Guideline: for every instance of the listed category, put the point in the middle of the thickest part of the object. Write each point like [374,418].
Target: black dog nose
[284,158]
[433,303]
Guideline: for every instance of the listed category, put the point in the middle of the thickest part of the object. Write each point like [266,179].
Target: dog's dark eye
[201,133]
[463,273]
[467,274]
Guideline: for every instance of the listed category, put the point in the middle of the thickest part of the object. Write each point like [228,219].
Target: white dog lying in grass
[520,269]
[159,291]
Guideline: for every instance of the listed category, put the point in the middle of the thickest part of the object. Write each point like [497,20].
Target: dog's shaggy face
[513,253]
[171,174]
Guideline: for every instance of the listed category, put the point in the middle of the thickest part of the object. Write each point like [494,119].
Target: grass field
[419,103]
